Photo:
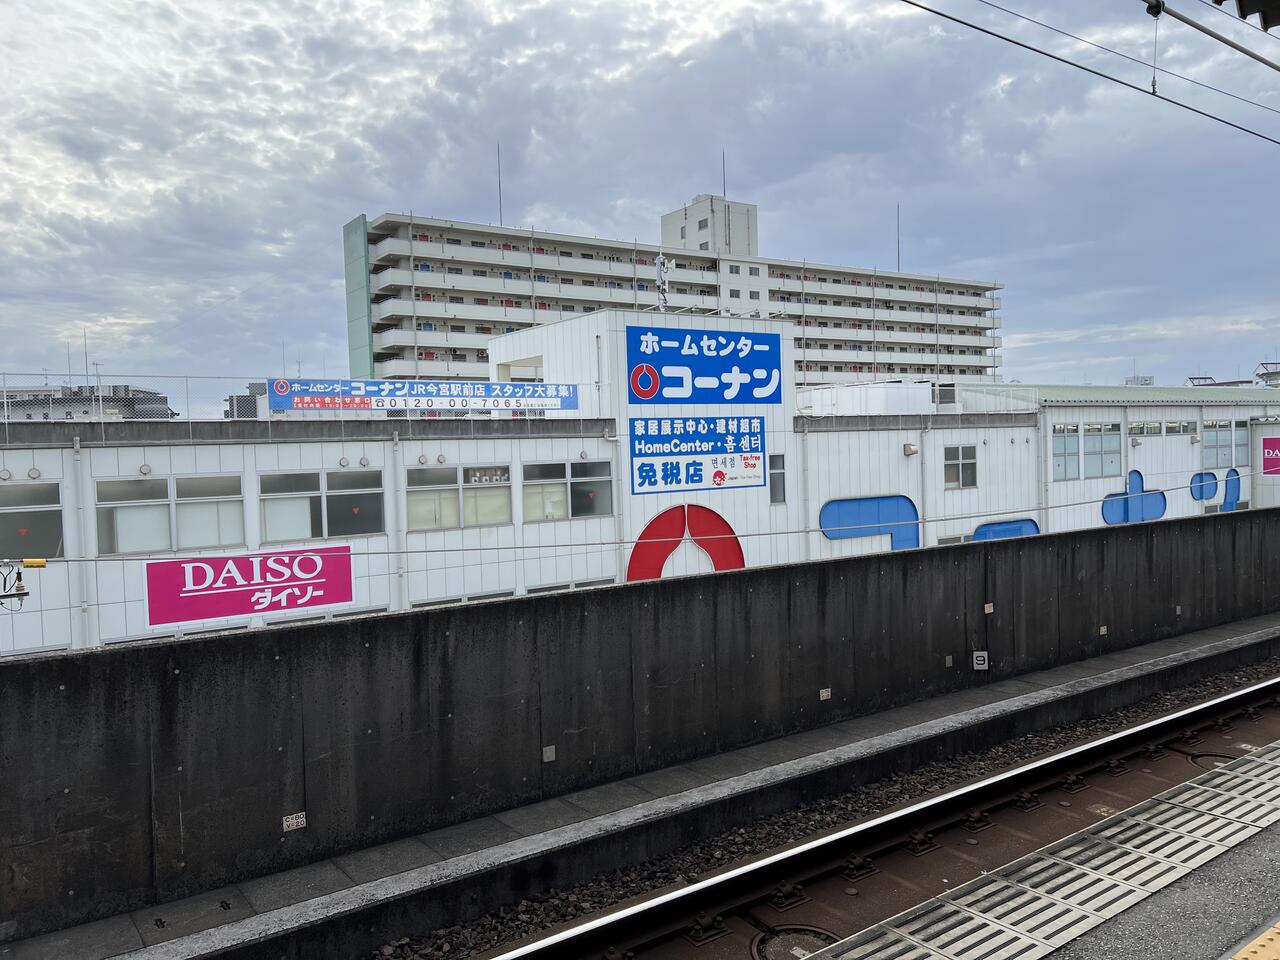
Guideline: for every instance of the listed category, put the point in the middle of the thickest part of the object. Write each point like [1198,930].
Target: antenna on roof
[500,183]
[724,179]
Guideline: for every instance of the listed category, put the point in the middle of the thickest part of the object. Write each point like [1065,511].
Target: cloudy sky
[174,176]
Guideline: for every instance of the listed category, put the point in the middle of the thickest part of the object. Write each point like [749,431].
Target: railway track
[800,901]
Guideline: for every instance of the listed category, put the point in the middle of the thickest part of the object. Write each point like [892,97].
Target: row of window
[187,513]
[735,269]
[506,246]
[1224,444]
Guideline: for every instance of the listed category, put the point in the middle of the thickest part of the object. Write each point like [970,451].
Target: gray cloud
[178,176]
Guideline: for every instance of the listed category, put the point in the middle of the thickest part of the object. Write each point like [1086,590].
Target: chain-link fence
[27,398]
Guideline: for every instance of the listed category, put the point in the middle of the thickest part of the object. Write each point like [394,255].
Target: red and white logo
[645,381]
[709,531]
[281,387]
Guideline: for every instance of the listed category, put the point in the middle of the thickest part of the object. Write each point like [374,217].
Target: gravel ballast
[483,937]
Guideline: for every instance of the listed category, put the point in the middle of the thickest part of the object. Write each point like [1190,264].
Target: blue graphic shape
[1004,529]
[872,517]
[697,367]
[1204,486]
[1231,491]
[1134,506]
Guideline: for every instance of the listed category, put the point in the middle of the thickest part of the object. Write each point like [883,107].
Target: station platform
[651,814]
[1227,909]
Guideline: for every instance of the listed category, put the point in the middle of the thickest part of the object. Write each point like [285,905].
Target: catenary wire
[1007,513]
[1090,70]
[1132,59]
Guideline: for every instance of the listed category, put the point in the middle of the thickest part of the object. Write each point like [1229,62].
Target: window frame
[323,493]
[776,467]
[567,482]
[29,508]
[479,485]
[100,506]
[1064,431]
[179,502]
[1103,432]
[966,455]
[1211,439]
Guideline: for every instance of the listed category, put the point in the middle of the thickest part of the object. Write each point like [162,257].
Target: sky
[174,177]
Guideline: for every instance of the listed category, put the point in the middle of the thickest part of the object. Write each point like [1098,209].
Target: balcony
[811,288]
[430,369]
[441,339]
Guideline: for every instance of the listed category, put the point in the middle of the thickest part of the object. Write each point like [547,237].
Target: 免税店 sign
[212,588]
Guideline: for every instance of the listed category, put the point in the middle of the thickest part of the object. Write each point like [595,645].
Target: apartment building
[424,296]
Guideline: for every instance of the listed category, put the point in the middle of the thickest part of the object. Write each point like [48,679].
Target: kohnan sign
[212,588]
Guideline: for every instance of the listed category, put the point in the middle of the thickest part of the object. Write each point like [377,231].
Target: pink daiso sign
[211,588]
[1271,455]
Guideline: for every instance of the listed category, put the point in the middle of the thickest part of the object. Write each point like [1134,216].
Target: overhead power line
[1090,70]
[1137,60]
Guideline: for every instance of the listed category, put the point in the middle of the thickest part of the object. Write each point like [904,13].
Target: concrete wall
[146,772]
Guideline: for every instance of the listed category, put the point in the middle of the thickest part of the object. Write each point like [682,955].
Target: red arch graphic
[664,533]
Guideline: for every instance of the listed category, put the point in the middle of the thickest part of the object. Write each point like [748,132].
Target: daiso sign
[210,588]
[1271,455]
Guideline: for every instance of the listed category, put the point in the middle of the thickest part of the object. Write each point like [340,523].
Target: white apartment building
[425,296]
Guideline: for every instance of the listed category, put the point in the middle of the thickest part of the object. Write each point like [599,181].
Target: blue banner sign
[288,394]
[667,365]
[672,454]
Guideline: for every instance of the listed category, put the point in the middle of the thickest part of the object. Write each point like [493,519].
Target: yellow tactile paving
[1266,946]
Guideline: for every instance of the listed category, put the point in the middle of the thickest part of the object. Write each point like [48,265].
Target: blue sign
[681,454]
[288,394]
[666,365]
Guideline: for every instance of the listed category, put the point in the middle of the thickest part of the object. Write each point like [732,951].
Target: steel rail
[657,913]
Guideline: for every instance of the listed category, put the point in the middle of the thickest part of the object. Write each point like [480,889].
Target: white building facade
[426,296]
[692,450]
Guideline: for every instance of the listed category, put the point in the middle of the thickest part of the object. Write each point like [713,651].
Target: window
[133,516]
[704,245]
[777,478]
[702,224]
[291,506]
[1101,450]
[753,294]
[960,467]
[434,499]
[353,504]
[753,271]
[209,512]
[734,268]
[682,233]
[1145,428]
[735,294]
[453,240]
[30,520]
[457,270]
[1066,451]
[477,243]
[1173,427]
[455,300]
[1218,442]
[546,495]
[1242,443]
[486,496]
[479,273]
[553,492]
